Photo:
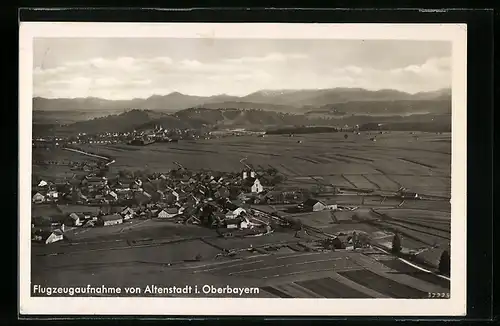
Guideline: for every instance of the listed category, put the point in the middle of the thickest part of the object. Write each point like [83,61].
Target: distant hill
[168,103]
[398,107]
[202,118]
[193,118]
[324,96]
[126,121]
[271,100]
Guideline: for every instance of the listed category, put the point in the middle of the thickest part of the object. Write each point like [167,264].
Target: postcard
[242,169]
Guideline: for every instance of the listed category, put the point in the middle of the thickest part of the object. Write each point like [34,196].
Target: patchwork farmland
[394,160]
[281,264]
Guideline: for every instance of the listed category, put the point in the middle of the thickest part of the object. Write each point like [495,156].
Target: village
[158,134]
[226,202]
[210,199]
[254,202]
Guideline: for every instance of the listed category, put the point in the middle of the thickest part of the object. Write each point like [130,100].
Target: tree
[396,244]
[345,136]
[444,263]
[198,257]
[271,171]
[298,225]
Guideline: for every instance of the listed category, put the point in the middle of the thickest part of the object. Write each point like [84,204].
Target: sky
[125,68]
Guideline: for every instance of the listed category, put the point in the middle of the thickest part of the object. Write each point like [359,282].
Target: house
[76,219]
[142,197]
[52,195]
[42,183]
[235,213]
[38,198]
[113,219]
[192,200]
[232,223]
[112,196]
[78,197]
[171,196]
[168,212]
[127,213]
[238,223]
[84,209]
[94,181]
[56,235]
[252,185]
[313,205]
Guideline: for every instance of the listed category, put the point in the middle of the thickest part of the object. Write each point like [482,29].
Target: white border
[456,306]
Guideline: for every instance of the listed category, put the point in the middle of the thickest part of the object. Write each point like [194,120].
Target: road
[110,161]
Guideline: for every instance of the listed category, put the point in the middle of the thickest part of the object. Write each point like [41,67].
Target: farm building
[313,205]
[113,219]
[47,237]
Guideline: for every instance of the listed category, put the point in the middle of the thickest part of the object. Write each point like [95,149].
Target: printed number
[439,295]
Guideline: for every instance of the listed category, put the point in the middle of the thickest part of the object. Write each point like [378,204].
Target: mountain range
[293,101]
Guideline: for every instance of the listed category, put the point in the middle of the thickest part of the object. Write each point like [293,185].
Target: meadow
[420,162]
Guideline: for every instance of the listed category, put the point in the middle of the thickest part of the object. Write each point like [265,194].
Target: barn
[313,205]
[113,219]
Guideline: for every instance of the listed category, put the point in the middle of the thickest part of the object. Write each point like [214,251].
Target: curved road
[90,154]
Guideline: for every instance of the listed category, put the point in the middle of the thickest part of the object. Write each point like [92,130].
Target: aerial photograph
[258,168]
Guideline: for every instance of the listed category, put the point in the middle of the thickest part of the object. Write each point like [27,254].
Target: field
[394,160]
[54,163]
[152,251]
[286,275]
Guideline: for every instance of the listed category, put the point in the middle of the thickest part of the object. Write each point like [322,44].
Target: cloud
[433,74]
[125,77]
[269,58]
[433,66]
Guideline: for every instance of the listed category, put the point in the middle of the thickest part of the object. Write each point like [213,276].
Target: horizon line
[241,96]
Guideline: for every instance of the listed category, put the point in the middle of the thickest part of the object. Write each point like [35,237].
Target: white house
[52,195]
[38,198]
[75,219]
[128,213]
[235,213]
[313,205]
[42,183]
[168,212]
[245,223]
[56,235]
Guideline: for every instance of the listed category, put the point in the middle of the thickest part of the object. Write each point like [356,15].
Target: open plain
[151,251]
[420,162]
